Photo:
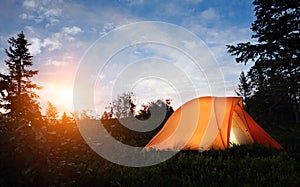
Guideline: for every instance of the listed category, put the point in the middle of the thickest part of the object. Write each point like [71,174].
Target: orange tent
[210,122]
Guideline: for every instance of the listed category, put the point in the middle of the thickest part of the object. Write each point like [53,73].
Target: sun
[67,94]
[61,95]
[67,97]
[63,99]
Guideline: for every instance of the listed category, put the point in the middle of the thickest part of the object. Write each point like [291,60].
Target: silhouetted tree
[87,114]
[125,106]
[244,88]
[275,76]
[161,107]
[120,107]
[65,119]
[51,111]
[20,99]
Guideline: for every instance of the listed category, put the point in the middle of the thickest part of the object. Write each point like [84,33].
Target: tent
[210,123]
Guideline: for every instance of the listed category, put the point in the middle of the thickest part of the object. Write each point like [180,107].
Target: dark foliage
[56,155]
[274,79]
[17,90]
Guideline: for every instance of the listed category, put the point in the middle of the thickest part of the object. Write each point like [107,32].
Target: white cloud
[71,30]
[209,14]
[55,41]
[52,22]
[172,9]
[52,14]
[130,66]
[48,11]
[194,1]
[52,43]
[23,16]
[51,62]
[35,47]
[55,12]
[135,2]
[107,27]
[29,4]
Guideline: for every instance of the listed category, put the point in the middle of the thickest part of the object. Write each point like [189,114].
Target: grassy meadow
[57,155]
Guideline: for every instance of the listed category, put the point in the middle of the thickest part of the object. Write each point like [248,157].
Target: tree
[20,99]
[120,107]
[65,119]
[51,111]
[244,89]
[275,75]
[125,106]
[87,115]
[160,107]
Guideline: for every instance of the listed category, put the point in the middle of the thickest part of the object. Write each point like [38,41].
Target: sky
[64,32]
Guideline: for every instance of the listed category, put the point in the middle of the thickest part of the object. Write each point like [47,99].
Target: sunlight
[67,95]
[66,98]
[60,95]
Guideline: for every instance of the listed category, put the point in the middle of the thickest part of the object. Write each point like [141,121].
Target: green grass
[57,155]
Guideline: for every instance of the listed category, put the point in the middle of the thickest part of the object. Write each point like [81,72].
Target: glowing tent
[210,122]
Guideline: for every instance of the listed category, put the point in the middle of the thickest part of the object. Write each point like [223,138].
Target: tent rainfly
[210,123]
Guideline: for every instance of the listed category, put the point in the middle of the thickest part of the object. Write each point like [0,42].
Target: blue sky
[61,31]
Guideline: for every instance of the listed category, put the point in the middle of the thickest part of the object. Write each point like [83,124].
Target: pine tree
[276,56]
[51,111]
[65,119]
[21,100]
[243,87]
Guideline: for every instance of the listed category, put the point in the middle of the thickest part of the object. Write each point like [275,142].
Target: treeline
[125,109]
[126,105]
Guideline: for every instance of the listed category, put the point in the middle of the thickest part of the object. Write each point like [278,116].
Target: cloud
[71,30]
[52,15]
[54,12]
[47,12]
[60,27]
[135,2]
[25,16]
[29,4]
[68,33]
[194,1]
[209,14]
[51,62]
[35,47]
[221,82]
[107,27]
[153,70]
[172,9]
[53,42]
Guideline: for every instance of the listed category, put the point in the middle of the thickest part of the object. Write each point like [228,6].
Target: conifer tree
[20,98]
[51,112]
[275,75]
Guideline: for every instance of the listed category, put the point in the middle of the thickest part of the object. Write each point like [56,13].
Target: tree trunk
[19,78]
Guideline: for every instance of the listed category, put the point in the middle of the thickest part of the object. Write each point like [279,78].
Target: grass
[57,156]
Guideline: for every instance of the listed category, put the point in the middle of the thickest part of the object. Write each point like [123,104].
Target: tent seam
[219,128]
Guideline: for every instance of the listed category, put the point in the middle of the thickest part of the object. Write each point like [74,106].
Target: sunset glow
[61,96]
[67,98]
